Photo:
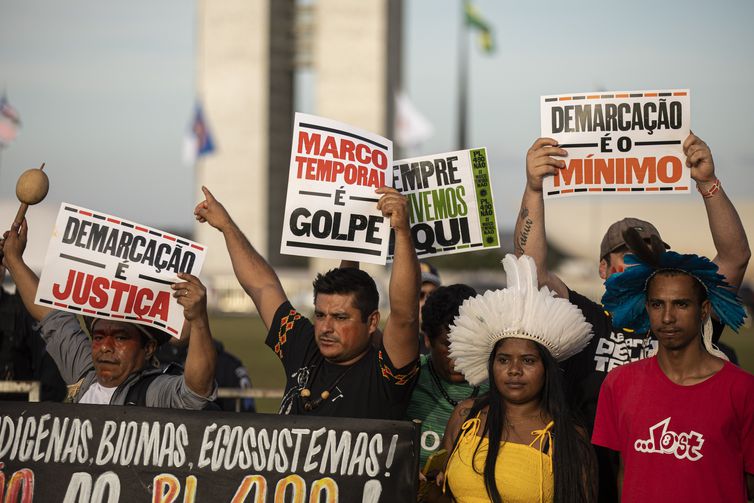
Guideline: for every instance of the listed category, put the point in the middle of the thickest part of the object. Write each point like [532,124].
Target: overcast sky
[105,89]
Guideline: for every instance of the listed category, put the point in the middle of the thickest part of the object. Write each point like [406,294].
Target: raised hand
[192,295]
[540,163]
[394,206]
[699,159]
[212,211]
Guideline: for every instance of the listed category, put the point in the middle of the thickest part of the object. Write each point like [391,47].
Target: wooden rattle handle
[21,214]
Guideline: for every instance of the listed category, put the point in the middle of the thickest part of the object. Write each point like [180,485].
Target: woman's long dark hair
[573,458]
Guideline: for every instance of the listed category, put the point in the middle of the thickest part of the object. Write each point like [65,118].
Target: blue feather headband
[626,292]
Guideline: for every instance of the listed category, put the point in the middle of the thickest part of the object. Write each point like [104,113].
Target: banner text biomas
[72,453]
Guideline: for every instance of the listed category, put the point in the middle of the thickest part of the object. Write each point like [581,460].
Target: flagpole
[463,65]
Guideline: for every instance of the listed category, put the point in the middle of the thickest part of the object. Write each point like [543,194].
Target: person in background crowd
[229,371]
[683,420]
[105,369]
[519,441]
[440,386]
[612,344]
[331,366]
[22,351]
[430,282]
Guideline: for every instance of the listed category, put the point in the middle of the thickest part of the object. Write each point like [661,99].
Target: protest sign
[96,453]
[331,207]
[108,267]
[619,142]
[450,202]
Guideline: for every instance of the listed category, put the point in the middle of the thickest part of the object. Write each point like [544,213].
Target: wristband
[712,191]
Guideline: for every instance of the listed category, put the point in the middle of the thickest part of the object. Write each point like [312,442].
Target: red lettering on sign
[99,292]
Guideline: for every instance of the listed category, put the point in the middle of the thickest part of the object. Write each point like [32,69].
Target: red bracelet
[711,192]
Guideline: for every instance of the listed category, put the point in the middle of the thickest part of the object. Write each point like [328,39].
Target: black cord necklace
[438,383]
[306,392]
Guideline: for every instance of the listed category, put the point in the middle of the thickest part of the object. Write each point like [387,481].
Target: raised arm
[529,235]
[728,233]
[402,327]
[13,246]
[199,368]
[254,274]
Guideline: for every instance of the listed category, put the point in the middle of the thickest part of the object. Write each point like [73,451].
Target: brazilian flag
[475,21]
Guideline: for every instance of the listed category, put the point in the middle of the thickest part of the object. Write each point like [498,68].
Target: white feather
[521,310]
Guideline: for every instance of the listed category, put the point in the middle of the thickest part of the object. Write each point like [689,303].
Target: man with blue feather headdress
[685,413]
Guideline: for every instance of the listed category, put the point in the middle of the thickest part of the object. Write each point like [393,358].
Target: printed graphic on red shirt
[663,440]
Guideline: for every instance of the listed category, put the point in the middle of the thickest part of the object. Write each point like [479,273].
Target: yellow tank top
[523,472]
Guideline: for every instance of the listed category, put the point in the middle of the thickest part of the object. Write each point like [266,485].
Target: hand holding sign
[210,210]
[192,295]
[394,206]
[699,159]
[540,163]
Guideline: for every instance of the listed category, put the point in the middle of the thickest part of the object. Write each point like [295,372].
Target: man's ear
[373,321]
[150,349]
[706,310]
[603,269]
[427,342]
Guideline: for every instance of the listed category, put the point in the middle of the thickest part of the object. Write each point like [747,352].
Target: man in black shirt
[331,367]
[614,346]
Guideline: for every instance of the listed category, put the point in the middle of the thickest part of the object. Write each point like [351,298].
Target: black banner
[99,453]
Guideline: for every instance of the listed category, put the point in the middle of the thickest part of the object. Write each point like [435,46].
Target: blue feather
[625,292]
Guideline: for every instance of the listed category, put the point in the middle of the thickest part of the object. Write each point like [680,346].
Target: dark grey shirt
[71,349]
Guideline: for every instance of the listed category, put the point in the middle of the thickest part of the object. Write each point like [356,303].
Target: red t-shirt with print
[678,443]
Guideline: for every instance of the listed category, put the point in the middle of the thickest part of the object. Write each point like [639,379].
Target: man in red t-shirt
[683,420]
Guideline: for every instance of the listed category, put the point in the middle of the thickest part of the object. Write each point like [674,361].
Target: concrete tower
[247,56]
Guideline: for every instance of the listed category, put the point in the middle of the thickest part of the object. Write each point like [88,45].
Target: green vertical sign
[486,206]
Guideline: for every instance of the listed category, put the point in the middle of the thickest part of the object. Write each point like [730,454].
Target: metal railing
[240,393]
[31,388]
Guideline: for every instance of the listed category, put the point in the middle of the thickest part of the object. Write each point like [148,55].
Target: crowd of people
[528,393]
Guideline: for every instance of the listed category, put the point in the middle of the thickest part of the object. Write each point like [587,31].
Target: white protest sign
[107,267]
[331,206]
[619,142]
[450,201]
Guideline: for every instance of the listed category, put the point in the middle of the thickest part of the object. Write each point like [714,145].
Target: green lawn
[244,337]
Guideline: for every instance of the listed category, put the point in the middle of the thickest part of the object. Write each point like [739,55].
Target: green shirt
[430,406]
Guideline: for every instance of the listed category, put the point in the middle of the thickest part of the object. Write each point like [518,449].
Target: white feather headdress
[521,310]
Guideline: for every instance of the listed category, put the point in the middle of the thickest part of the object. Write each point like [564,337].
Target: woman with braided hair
[518,442]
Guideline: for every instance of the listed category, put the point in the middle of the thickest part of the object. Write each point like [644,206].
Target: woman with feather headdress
[519,441]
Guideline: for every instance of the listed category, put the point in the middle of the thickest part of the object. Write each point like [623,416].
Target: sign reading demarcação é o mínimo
[450,202]
[108,267]
[619,142]
[331,205]
[96,453]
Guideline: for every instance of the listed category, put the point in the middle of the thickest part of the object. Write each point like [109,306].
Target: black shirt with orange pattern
[371,388]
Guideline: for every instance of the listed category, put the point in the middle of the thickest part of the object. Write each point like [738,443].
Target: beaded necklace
[306,392]
[438,383]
